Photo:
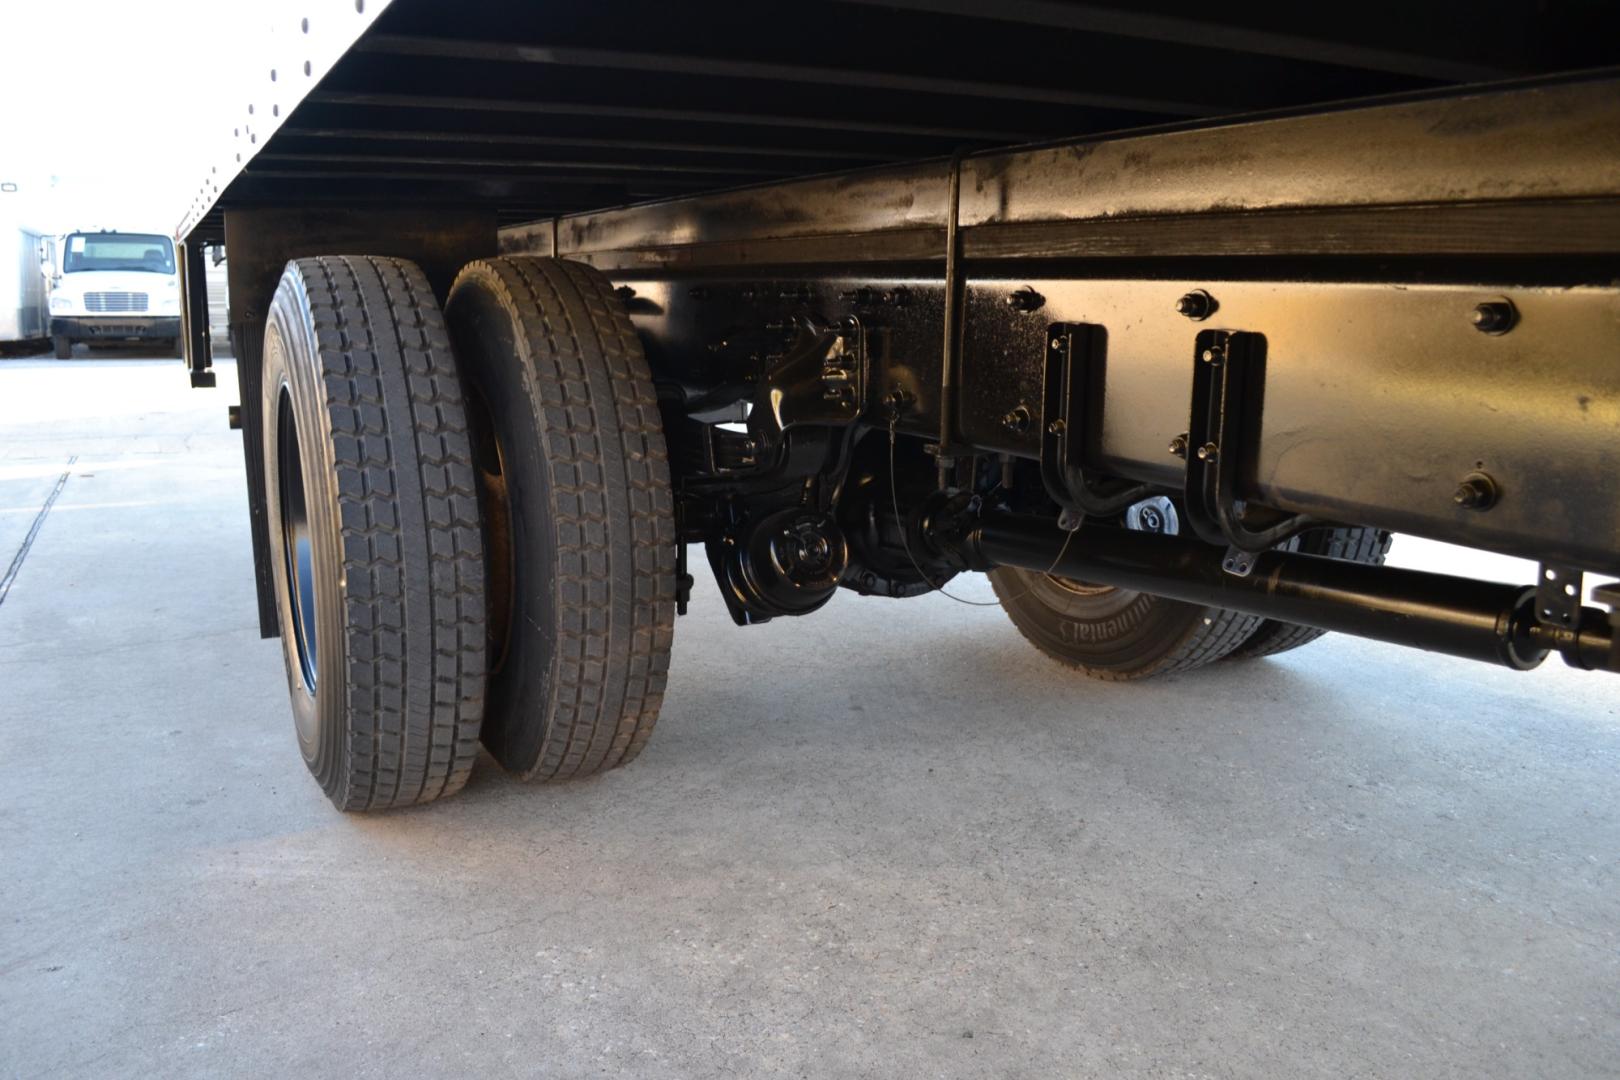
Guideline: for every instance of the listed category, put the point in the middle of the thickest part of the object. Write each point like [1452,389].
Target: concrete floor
[885,841]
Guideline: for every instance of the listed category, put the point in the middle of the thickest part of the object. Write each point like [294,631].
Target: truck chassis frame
[1401,316]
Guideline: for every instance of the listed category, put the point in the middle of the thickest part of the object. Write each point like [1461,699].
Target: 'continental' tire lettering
[1073,632]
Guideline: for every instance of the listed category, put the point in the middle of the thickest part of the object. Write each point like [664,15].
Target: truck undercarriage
[1172,387]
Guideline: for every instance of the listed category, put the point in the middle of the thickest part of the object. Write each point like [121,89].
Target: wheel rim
[296,540]
[1080,588]
[489,458]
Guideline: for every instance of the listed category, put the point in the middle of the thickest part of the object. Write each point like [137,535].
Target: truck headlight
[61,303]
[171,304]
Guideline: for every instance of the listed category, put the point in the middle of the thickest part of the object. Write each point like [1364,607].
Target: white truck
[114,287]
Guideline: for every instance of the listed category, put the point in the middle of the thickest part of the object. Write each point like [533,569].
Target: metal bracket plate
[1237,562]
[1069,371]
[1558,595]
[819,380]
[1228,374]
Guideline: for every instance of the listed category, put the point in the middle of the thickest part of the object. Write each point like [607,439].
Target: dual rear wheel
[401,477]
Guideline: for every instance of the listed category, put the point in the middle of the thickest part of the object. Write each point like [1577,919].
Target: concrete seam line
[33,531]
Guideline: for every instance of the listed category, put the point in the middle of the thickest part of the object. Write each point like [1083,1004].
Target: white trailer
[24,316]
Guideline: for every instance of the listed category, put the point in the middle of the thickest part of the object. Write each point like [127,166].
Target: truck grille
[115,301]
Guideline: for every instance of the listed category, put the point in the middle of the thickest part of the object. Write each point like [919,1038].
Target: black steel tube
[1458,616]
[199,353]
[952,320]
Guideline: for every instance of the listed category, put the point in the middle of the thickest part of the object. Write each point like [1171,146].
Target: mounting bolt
[1026,300]
[1056,427]
[1476,491]
[1197,305]
[1494,316]
[896,400]
[1018,420]
[1212,356]
[1209,452]
[1178,446]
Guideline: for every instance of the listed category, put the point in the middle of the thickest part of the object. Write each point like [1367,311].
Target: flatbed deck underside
[540,109]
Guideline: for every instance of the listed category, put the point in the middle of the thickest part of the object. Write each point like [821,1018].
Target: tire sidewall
[1111,630]
[292,362]
[495,359]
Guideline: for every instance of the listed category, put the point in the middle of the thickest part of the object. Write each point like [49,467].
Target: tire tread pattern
[613,514]
[1215,634]
[412,552]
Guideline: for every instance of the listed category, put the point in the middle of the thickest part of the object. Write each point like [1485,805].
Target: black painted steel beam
[500,138]
[764,121]
[1217,34]
[723,67]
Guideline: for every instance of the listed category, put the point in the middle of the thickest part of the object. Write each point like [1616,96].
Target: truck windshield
[118,251]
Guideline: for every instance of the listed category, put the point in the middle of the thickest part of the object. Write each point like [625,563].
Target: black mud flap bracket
[194,333]
[1071,370]
[1222,438]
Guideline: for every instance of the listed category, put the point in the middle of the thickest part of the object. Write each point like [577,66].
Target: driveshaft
[1458,616]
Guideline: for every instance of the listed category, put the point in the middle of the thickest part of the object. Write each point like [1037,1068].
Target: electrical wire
[905,537]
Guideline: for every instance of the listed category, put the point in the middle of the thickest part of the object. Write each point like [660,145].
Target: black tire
[373,511]
[576,482]
[1360,545]
[1113,633]
[63,347]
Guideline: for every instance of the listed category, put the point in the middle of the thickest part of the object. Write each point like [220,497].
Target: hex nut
[1495,317]
[1197,305]
[1476,491]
